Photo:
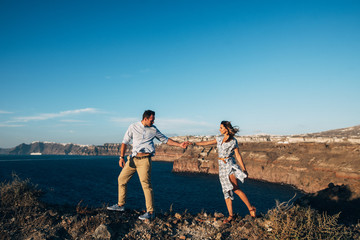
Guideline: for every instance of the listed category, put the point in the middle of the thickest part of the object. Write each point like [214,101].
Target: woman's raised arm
[205,143]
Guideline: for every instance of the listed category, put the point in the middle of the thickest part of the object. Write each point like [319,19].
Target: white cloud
[5,112]
[46,116]
[10,125]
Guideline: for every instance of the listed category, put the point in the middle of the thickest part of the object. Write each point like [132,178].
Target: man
[142,133]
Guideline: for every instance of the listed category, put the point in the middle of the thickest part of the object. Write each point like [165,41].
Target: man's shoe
[116,207]
[147,215]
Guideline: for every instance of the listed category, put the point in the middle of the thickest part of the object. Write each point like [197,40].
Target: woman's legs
[242,195]
[228,202]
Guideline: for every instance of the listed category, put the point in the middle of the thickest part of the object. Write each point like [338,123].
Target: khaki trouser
[143,168]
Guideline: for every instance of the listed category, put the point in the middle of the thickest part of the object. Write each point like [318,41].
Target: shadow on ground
[333,200]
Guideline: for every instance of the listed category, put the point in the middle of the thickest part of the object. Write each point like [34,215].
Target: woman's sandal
[229,219]
[253,212]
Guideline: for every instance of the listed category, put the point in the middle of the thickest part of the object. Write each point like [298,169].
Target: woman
[229,171]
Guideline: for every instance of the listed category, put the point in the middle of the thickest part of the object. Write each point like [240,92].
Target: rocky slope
[24,216]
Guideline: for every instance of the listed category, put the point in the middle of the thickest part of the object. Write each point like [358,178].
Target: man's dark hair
[148,113]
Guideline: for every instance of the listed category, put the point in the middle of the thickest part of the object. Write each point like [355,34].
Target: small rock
[219,236]
[182,237]
[102,232]
[218,215]
[267,225]
[217,224]
[199,219]
[52,213]
[36,236]
[248,218]
[241,223]
[247,225]
[178,216]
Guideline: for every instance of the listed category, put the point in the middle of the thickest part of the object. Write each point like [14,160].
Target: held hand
[122,162]
[185,144]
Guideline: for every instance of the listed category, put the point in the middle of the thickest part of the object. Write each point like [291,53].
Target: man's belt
[142,157]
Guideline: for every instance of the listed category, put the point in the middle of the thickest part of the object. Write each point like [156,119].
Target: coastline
[307,164]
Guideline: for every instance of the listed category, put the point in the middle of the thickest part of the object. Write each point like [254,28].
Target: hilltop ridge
[341,135]
[349,132]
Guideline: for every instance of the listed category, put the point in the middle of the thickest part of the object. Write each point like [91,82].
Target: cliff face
[198,159]
[310,162]
[167,153]
[46,148]
[308,166]
[163,152]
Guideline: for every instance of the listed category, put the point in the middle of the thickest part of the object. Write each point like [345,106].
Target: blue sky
[82,71]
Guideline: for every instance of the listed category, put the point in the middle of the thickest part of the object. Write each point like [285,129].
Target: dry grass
[19,193]
[294,222]
[19,204]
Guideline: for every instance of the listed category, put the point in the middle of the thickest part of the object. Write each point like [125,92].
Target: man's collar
[140,122]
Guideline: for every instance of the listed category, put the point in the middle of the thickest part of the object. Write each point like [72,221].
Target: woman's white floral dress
[226,150]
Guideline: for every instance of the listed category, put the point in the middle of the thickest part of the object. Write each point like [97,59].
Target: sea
[92,181]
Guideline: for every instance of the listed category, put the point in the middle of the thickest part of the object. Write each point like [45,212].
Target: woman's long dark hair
[232,130]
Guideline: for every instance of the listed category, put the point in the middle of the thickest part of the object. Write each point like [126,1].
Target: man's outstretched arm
[177,144]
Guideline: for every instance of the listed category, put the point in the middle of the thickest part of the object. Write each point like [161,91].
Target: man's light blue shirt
[143,138]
